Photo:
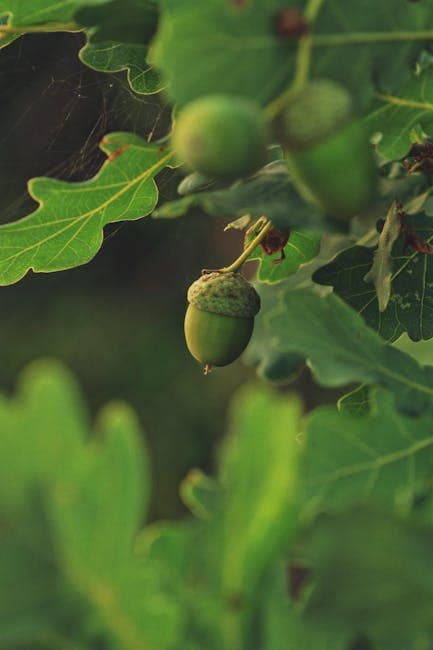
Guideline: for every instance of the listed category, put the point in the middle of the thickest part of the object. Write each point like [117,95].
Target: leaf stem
[303,62]
[312,10]
[39,29]
[248,250]
[305,46]
[402,101]
[322,40]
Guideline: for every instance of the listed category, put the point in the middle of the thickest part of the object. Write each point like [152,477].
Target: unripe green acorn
[328,148]
[221,136]
[219,320]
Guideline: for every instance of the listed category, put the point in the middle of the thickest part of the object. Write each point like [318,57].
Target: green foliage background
[165,510]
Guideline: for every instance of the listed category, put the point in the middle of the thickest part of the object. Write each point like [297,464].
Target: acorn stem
[207,369]
[235,266]
[303,63]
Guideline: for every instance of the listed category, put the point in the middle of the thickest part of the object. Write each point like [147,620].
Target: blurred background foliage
[117,322]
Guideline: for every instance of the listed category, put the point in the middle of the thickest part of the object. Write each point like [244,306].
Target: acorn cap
[319,110]
[228,294]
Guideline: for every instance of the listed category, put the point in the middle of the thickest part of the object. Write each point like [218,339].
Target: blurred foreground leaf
[373,573]
[269,193]
[69,510]
[237,47]
[258,473]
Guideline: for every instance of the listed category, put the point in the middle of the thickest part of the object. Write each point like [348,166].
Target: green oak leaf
[356,402]
[370,46]
[110,56]
[300,249]
[421,351]
[268,193]
[411,301]
[6,39]
[397,116]
[121,21]
[346,273]
[119,34]
[222,47]
[34,12]
[271,364]
[341,349]
[194,182]
[373,575]
[381,456]
[67,228]
[236,47]
[241,223]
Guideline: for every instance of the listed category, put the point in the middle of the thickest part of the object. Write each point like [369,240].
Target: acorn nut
[219,320]
[328,149]
[221,136]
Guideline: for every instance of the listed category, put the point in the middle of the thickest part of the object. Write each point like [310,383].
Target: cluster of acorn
[225,137]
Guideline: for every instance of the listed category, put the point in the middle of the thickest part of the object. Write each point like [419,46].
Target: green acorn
[221,137]
[328,149]
[219,320]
